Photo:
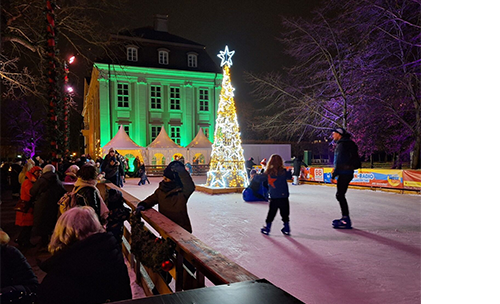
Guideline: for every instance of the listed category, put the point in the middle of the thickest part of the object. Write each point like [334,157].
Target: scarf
[80,183]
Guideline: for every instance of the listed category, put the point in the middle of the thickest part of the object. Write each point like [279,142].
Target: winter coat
[18,281]
[249,164]
[26,218]
[46,192]
[172,199]
[87,196]
[87,272]
[277,185]
[297,164]
[344,150]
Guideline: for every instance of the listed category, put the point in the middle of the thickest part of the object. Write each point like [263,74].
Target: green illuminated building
[158,79]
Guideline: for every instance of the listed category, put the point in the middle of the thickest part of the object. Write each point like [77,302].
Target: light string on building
[227,164]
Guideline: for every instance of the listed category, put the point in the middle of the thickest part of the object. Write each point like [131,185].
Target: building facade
[160,79]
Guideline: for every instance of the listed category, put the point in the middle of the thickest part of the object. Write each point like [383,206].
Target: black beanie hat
[168,171]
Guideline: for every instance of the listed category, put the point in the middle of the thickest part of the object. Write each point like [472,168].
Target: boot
[342,223]
[286,228]
[266,229]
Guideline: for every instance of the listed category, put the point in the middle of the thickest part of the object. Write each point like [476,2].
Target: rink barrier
[157,170]
[384,179]
[209,263]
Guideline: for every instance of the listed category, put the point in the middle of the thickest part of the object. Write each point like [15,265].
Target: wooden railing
[157,170]
[209,263]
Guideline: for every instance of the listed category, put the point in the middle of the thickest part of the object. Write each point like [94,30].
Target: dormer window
[163,57]
[192,59]
[132,53]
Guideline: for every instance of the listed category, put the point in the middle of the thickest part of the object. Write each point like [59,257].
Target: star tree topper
[226,57]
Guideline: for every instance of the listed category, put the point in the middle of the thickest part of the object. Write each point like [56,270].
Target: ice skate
[343,223]
[286,228]
[266,229]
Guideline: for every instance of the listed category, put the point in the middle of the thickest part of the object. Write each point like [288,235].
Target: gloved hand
[139,209]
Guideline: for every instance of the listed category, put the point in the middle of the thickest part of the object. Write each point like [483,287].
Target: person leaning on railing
[172,195]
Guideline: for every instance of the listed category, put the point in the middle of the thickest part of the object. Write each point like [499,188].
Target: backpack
[355,160]
[69,200]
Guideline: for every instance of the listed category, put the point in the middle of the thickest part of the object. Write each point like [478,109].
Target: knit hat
[168,171]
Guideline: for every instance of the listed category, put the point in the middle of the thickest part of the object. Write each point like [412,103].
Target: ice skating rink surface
[379,261]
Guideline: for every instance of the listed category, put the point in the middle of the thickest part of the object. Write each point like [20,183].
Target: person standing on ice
[297,166]
[249,165]
[278,194]
[172,195]
[346,160]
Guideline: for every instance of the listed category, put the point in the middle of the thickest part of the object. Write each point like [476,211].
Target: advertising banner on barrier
[412,179]
[385,178]
[313,174]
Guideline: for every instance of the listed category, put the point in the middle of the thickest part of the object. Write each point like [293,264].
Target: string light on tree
[227,164]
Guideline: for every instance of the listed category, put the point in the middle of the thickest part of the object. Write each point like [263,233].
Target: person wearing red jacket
[24,218]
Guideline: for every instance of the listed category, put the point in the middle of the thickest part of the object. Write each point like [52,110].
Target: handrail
[208,262]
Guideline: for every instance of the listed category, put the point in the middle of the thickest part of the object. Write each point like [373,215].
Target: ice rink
[379,261]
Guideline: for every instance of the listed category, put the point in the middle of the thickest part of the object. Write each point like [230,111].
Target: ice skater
[143,175]
[278,194]
[346,160]
[297,169]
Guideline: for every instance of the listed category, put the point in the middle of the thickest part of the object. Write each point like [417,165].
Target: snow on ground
[377,262]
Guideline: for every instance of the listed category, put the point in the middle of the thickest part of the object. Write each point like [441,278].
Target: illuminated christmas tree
[227,164]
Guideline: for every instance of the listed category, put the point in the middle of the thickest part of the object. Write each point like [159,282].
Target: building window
[155,130]
[175,98]
[132,53]
[175,134]
[203,100]
[123,95]
[205,130]
[126,128]
[163,57]
[155,97]
[192,60]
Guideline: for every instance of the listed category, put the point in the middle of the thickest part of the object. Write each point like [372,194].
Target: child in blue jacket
[278,194]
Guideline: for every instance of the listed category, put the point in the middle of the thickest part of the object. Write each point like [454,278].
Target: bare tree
[25,122]
[80,27]
[357,65]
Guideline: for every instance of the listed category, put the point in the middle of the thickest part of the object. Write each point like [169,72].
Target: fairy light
[227,164]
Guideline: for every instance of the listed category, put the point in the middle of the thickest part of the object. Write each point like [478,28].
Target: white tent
[162,150]
[199,150]
[122,143]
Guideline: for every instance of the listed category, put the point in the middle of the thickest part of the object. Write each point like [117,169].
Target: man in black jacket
[346,160]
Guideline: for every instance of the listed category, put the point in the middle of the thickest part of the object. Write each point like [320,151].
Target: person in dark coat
[278,194]
[86,266]
[110,167]
[16,168]
[345,149]
[142,175]
[46,192]
[297,165]
[137,164]
[249,165]
[18,282]
[87,192]
[172,195]
[258,188]
[118,214]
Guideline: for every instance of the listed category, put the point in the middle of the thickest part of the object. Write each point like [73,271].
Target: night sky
[250,28]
